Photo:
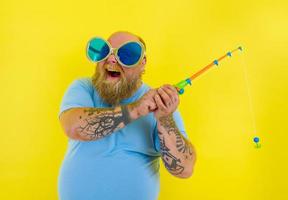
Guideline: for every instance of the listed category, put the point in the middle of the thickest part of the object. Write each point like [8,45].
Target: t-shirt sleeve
[78,94]
[180,124]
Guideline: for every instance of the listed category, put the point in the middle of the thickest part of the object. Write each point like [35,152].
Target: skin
[116,40]
[86,124]
[114,89]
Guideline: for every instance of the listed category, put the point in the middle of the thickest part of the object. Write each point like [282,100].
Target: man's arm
[88,124]
[177,152]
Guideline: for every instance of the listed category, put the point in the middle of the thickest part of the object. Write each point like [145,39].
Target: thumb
[152,106]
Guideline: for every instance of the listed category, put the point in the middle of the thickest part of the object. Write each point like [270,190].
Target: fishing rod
[182,84]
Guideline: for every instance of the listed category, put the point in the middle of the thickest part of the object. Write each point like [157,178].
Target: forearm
[88,124]
[177,152]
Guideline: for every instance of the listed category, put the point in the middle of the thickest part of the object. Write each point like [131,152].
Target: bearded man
[118,128]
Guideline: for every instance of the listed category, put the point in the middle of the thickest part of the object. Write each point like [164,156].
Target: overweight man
[118,127]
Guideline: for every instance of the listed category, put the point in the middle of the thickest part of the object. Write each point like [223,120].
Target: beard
[112,92]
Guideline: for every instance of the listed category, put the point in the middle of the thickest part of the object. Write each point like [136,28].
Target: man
[118,128]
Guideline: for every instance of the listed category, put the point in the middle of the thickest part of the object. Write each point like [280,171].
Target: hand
[143,106]
[167,101]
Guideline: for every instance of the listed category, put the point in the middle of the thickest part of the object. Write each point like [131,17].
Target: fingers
[159,102]
[168,94]
[164,96]
[162,101]
[152,105]
[148,101]
[172,92]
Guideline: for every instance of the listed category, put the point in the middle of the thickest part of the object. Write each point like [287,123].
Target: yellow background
[42,50]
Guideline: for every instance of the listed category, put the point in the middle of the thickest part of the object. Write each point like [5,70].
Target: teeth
[112,70]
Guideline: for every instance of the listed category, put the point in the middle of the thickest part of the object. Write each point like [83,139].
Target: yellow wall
[42,49]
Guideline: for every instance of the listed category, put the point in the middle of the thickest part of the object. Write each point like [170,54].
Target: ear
[144,61]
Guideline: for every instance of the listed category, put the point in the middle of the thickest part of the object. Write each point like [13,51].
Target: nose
[111,59]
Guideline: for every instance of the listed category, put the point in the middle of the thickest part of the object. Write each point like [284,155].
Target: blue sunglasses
[128,54]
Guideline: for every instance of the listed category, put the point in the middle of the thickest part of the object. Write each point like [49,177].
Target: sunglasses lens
[97,49]
[130,53]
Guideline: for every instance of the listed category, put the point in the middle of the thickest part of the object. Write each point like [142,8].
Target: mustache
[108,69]
[113,67]
[113,93]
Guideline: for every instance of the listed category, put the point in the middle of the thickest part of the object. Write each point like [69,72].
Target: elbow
[77,136]
[74,135]
[189,167]
[186,173]
[188,170]
[71,134]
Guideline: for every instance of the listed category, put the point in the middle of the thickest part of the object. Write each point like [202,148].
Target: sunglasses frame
[115,52]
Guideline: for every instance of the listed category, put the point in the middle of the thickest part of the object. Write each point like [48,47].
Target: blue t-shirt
[123,165]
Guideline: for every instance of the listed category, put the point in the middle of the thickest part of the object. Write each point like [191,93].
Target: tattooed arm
[177,153]
[88,124]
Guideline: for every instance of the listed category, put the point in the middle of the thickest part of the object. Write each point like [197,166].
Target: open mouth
[113,73]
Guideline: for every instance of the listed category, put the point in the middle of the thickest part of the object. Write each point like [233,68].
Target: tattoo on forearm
[182,145]
[100,122]
[169,124]
[171,162]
